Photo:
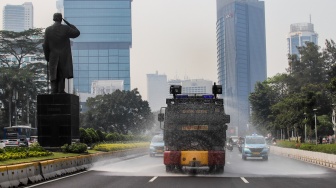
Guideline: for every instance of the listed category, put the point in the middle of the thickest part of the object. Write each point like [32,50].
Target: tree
[289,113]
[121,112]
[282,101]
[329,54]
[19,77]
[265,95]
[19,45]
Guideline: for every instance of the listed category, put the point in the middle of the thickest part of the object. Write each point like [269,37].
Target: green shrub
[36,147]
[120,146]
[35,150]
[74,148]
[84,136]
[101,135]
[93,134]
[324,148]
[113,137]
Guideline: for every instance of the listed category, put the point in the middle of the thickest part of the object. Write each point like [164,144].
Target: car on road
[20,142]
[235,140]
[2,144]
[156,146]
[255,146]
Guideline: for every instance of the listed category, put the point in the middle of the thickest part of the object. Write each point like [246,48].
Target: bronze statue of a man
[57,51]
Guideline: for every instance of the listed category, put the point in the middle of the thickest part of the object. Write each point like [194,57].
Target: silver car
[156,146]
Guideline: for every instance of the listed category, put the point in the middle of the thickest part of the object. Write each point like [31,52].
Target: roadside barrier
[59,167]
[323,159]
[34,172]
[22,174]
[4,179]
[47,169]
[13,175]
[87,161]
[82,162]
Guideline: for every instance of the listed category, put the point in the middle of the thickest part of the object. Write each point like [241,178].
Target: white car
[2,144]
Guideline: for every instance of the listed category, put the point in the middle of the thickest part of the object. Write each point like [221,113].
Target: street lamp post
[15,105]
[334,121]
[315,125]
[305,127]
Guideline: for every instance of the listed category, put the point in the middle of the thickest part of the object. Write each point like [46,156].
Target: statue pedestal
[58,119]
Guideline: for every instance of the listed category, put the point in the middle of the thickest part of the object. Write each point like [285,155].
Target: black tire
[265,158]
[244,157]
[220,169]
[212,168]
[169,168]
[179,168]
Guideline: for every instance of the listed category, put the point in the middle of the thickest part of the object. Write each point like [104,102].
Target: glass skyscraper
[300,33]
[102,51]
[241,55]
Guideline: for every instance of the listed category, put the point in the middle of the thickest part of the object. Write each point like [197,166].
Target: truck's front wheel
[169,168]
[220,169]
[216,169]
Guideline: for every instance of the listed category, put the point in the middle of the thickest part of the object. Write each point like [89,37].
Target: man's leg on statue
[54,87]
[61,85]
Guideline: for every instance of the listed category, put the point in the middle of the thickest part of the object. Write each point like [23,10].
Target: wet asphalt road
[150,172]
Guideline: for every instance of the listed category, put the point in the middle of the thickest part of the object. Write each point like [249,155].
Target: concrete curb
[25,173]
[322,159]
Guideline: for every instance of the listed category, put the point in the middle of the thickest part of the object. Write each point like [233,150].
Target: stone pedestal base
[58,119]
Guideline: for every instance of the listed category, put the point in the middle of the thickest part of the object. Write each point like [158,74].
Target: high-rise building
[18,17]
[157,90]
[102,51]
[241,55]
[197,86]
[192,86]
[299,34]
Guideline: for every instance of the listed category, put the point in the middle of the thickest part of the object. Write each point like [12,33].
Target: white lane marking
[244,180]
[35,185]
[228,163]
[151,180]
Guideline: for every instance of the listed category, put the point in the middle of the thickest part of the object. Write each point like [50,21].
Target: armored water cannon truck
[194,130]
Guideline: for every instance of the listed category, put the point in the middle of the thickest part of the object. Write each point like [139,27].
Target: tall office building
[18,17]
[241,55]
[300,33]
[197,86]
[192,86]
[157,90]
[102,51]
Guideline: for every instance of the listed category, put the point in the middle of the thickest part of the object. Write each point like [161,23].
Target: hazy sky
[178,37]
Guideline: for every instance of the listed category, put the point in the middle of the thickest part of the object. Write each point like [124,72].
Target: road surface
[146,171]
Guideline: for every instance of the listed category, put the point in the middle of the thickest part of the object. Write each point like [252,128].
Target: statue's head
[57,17]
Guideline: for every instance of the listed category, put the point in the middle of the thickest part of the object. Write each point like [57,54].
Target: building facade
[241,55]
[197,86]
[102,87]
[18,17]
[102,51]
[192,86]
[157,90]
[299,34]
